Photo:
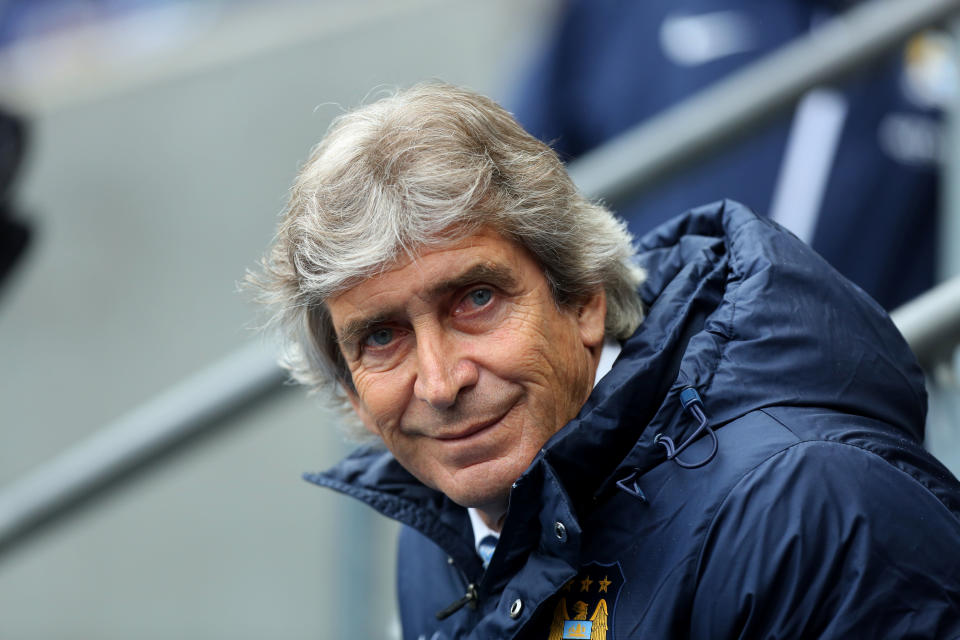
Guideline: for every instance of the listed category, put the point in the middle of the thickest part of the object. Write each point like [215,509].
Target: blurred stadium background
[160,139]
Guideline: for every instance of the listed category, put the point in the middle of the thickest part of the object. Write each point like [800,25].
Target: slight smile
[474,430]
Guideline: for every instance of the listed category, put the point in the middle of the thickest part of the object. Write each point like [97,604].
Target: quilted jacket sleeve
[828,540]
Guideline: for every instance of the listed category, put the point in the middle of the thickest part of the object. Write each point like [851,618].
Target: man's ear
[592,317]
[361,410]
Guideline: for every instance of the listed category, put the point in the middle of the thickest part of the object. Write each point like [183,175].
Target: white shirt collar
[608,355]
[480,528]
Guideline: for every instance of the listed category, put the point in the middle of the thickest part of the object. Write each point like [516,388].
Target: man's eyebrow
[498,275]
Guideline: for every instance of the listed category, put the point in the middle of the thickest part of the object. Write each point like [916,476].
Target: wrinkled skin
[465,366]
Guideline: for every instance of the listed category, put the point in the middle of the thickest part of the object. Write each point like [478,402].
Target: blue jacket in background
[819,516]
[609,65]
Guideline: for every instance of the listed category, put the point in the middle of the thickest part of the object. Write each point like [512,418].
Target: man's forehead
[436,266]
[428,281]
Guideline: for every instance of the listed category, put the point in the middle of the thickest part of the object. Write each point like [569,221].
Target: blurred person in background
[26,19]
[853,172]
[15,233]
[710,434]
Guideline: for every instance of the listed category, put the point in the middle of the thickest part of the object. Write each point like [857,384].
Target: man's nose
[442,373]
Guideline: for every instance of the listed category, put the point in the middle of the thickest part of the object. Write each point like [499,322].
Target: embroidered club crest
[586,604]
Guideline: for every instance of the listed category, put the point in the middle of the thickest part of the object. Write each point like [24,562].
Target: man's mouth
[462,433]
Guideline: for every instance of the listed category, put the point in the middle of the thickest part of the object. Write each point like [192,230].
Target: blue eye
[480,297]
[380,338]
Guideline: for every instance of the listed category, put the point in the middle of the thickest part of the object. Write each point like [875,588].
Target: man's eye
[379,338]
[481,297]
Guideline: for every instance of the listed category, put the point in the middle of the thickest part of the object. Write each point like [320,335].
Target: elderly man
[712,435]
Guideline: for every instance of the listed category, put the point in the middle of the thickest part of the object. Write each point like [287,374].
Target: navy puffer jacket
[819,515]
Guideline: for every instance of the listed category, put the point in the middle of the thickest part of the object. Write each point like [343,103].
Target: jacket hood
[787,329]
[751,317]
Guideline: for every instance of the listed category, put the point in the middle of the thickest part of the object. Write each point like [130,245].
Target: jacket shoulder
[835,534]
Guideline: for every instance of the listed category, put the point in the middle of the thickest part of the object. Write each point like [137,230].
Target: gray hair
[416,170]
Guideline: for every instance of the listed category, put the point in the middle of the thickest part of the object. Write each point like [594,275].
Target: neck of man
[493,515]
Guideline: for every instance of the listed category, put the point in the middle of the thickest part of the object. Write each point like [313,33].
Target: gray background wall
[152,188]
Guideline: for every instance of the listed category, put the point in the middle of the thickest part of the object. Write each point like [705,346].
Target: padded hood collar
[751,317]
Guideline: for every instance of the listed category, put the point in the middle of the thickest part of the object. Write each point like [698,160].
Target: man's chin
[482,500]
[480,493]
[481,482]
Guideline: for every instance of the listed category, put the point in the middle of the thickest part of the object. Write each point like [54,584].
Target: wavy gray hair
[416,170]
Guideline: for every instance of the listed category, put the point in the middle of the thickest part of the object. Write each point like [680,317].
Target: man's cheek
[361,410]
[369,384]
[382,397]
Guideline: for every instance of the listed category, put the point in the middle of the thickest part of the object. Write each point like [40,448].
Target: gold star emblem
[585,584]
[569,585]
[604,584]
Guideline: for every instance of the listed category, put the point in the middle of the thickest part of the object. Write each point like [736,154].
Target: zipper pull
[470,598]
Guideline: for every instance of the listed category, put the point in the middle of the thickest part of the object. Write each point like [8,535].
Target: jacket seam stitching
[874,454]
[779,453]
